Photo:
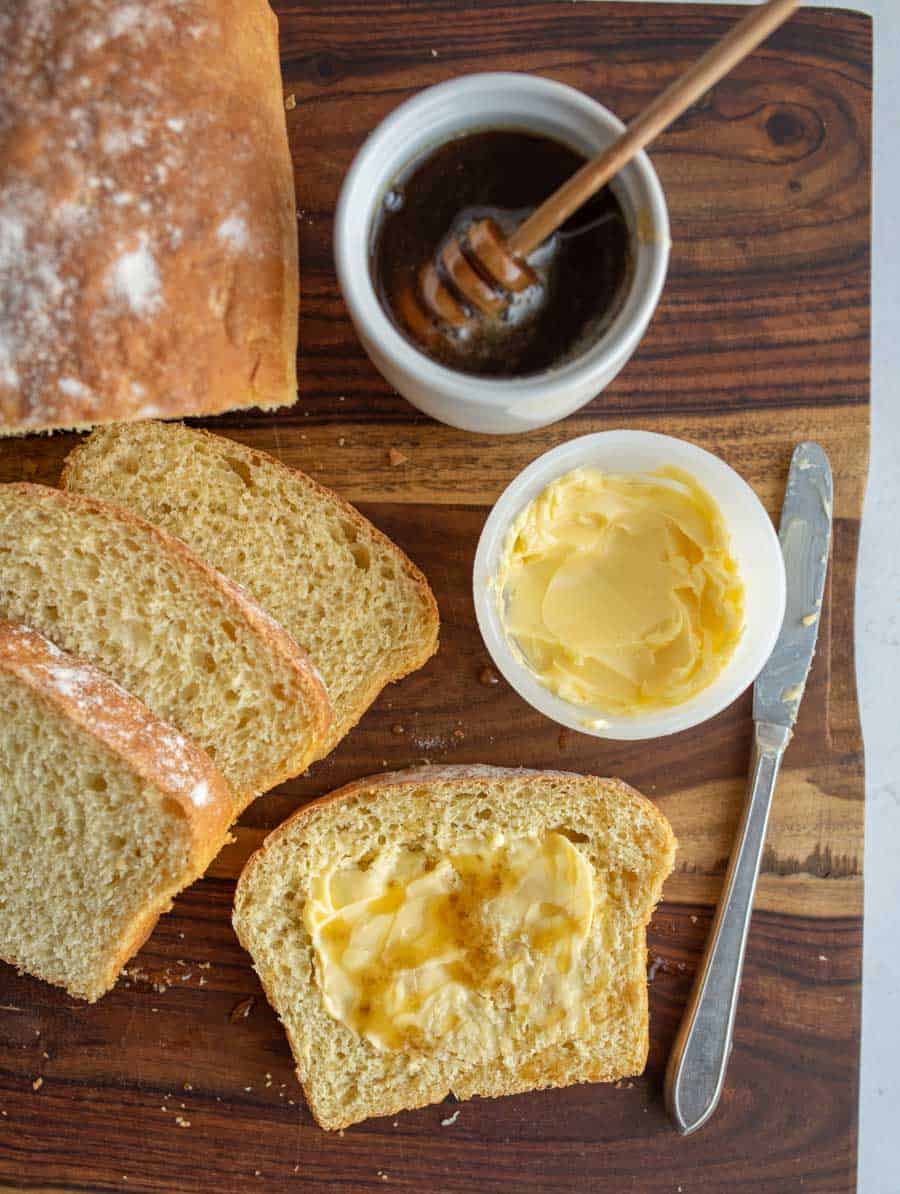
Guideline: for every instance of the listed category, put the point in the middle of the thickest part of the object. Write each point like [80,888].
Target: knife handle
[696,1070]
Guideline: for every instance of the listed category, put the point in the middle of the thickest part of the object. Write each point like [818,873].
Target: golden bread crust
[149,259]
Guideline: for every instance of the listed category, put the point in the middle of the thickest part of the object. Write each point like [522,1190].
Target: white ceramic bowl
[754,543]
[431,118]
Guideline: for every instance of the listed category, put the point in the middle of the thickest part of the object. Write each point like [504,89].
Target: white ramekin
[754,543]
[430,118]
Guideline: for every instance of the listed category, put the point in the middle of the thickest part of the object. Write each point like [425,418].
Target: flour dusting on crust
[112,713]
[133,204]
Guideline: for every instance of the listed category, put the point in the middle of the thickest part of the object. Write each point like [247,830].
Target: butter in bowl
[629,585]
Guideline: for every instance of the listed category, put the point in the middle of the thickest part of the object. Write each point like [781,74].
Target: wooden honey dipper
[473,280]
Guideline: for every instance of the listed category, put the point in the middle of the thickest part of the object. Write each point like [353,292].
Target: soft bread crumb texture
[344,591]
[97,837]
[631,850]
[122,594]
[148,240]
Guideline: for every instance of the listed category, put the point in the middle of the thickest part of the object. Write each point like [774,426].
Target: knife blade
[695,1075]
[805,535]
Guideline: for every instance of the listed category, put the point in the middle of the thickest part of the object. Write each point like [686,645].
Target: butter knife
[696,1071]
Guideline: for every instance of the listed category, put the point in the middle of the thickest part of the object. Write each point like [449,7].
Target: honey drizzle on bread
[345,1077]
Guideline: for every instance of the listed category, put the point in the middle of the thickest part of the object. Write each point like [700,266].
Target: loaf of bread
[105,814]
[148,241]
[194,647]
[475,930]
[345,592]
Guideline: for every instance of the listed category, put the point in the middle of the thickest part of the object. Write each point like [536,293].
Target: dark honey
[584,270]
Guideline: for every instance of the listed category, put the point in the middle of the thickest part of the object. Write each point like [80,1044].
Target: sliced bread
[466,929]
[105,814]
[347,594]
[124,595]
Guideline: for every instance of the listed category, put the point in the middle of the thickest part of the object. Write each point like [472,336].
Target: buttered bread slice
[466,929]
[105,814]
[189,643]
[347,594]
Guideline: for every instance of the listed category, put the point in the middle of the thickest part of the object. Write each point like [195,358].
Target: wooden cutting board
[180,1080]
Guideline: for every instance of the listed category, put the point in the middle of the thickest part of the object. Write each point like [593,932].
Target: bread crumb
[186,1086]
[395,457]
[37,1084]
[693,920]
[451,1119]
[290,102]
[822,958]
[248,1088]
[458,734]
[46,1054]
[397,728]
[182,1122]
[341,442]
[434,53]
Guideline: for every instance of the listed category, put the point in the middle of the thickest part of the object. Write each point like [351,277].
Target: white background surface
[878,637]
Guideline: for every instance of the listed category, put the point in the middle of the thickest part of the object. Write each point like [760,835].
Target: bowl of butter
[629,585]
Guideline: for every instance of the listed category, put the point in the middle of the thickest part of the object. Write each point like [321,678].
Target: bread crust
[152,749]
[145,168]
[372,684]
[537,1072]
[309,684]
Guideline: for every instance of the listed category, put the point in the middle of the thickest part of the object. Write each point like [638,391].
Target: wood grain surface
[761,339]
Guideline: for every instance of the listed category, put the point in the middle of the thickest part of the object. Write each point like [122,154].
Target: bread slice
[345,592]
[625,847]
[124,595]
[105,814]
